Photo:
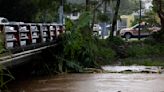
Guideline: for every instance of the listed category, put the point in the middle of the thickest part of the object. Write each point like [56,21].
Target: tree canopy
[17,10]
[158,6]
[29,11]
[129,6]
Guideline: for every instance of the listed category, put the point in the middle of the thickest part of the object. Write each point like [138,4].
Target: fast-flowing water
[109,82]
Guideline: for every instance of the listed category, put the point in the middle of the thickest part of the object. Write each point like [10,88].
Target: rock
[126,71]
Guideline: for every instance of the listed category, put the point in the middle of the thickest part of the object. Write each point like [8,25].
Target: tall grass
[147,52]
[146,61]
[5,77]
[142,49]
[2,49]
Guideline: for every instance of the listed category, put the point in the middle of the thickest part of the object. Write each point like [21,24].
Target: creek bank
[133,69]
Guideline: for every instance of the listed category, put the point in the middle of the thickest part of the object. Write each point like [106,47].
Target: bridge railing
[26,36]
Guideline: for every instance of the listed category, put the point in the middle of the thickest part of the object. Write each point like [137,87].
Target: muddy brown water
[110,82]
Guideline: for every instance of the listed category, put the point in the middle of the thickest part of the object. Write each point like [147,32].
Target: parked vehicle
[132,32]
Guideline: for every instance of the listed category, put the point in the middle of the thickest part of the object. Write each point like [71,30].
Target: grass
[1,43]
[3,51]
[147,53]
[146,61]
[141,49]
[5,77]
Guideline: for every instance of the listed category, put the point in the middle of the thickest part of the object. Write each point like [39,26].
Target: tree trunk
[115,18]
[160,10]
[105,6]
[87,5]
[94,13]
[162,20]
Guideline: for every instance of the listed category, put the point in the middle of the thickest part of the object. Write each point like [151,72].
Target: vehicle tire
[128,35]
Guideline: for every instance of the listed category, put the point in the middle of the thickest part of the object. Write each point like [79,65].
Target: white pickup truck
[134,31]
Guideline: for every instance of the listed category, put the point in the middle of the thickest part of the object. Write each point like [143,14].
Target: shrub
[105,56]
[2,49]
[5,77]
[150,41]
[141,50]
[147,61]
[118,45]
[158,36]
[115,41]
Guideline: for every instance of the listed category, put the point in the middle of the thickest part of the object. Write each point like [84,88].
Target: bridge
[24,40]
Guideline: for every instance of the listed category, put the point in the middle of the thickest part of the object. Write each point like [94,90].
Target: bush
[115,41]
[118,45]
[2,48]
[146,61]
[158,36]
[105,56]
[5,77]
[141,50]
[150,41]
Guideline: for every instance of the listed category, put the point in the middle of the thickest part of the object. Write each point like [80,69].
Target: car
[132,32]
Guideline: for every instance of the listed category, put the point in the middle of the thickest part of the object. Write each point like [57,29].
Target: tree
[18,10]
[104,18]
[47,10]
[87,5]
[96,5]
[106,3]
[151,18]
[159,8]
[129,6]
[114,22]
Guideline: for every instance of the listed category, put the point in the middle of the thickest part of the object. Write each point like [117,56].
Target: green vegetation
[129,6]
[145,53]
[140,49]
[2,50]
[5,77]
[146,61]
[158,7]
[78,49]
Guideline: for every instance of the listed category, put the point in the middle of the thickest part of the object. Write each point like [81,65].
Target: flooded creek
[109,82]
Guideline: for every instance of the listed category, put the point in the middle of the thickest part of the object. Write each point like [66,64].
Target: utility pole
[139,31]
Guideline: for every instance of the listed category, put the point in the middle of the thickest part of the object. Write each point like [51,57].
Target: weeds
[146,61]
[5,77]
[141,49]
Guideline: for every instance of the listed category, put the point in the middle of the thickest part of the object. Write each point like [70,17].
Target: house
[73,16]
[125,22]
